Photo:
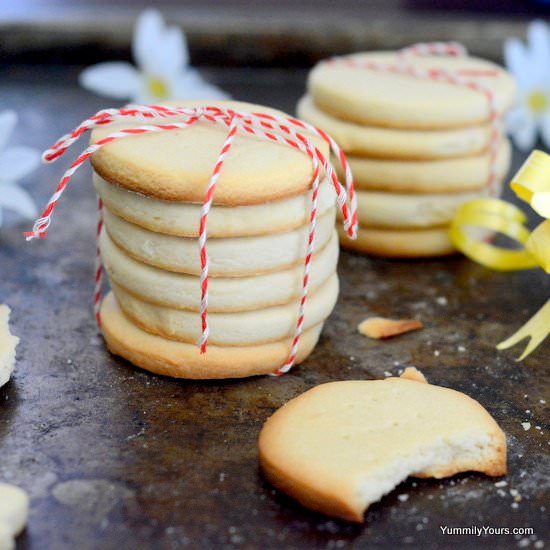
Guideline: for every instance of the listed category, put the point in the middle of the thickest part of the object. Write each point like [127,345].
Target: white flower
[530,65]
[162,57]
[15,163]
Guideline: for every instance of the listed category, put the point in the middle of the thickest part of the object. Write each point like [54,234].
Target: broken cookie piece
[8,343]
[380,327]
[341,446]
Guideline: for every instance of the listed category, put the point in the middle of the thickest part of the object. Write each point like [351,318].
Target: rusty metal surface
[114,457]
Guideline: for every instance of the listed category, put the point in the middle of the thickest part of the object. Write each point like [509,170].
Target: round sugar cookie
[240,328]
[400,243]
[428,176]
[176,165]
[341,446]
[180,291]
[232,257]
[182,219]
[14,509]
[399,101]
[406,210]
[180,360]
[390,143]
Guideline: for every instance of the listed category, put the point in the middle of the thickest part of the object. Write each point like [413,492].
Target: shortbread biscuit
[389,143]
[14,510]
[176,165]
[399,101]
[408,210]
[181,360]
[232,257]
[435,176]
[341,446]
[242,328]
[225,294]
[8,343]
[182,219]
[400,243]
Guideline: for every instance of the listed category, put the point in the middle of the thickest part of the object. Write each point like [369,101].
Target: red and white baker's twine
[283,130]
[464,78]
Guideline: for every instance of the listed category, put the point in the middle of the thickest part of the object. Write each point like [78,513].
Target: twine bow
[287,131]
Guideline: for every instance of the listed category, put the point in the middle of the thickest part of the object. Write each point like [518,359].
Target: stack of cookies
[417,148]
[152,187]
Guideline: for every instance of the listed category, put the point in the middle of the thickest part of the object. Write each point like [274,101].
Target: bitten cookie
[341,446]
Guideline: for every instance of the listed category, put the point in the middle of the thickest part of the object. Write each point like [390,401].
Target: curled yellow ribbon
[490,215]
[532,183]
[475,222]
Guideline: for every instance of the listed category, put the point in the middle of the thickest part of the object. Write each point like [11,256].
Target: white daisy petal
[191,85]
[515,118]
[525,134]
[14,197]
[143,96]
[545,129]
[173,56]
[147,40]
[517,60]
[17,162]
[8,120]
[538,35]
[113,79]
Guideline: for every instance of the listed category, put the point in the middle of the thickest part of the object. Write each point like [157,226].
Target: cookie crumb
[412,373]
[381,327]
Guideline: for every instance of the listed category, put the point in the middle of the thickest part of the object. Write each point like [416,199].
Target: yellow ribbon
[532,183]
[476,221]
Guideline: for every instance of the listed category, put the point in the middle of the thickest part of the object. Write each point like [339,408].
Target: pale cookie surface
[408,210]
[341,446]
[14,510]
[398,101]
[8,343]
[182,219]
[225,294]
[176,165]
[436,176]
[231,257]
[180,360]
[400,243]
[390,143]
